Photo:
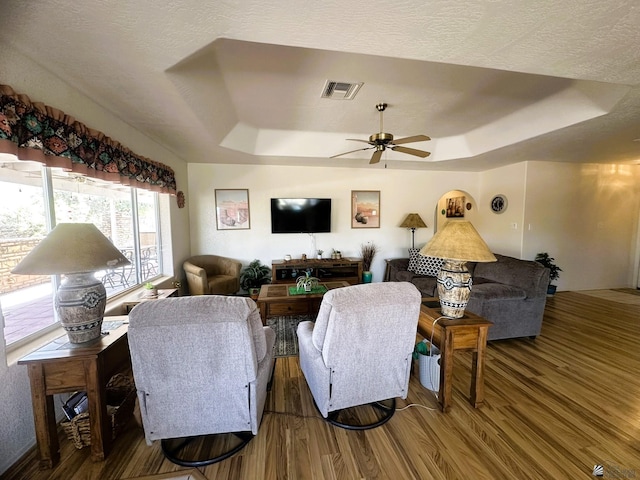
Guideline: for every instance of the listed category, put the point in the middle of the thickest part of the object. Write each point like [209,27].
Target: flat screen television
[300,215]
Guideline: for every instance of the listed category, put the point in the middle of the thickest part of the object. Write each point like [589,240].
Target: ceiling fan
[381,141]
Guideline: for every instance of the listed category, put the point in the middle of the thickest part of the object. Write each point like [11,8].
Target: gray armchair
[212,275]
[201,367]
[359,350]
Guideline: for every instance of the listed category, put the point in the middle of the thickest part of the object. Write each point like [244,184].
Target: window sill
[114,307]
[16,353]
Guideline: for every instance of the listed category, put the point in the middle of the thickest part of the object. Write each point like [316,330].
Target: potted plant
[545,260]
[319,256]
[307,283]
[368,251]
[253,276]
[150,290]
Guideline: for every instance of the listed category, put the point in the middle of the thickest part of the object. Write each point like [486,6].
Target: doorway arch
[454,204]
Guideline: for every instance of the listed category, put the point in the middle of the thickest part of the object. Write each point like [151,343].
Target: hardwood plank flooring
[554,408]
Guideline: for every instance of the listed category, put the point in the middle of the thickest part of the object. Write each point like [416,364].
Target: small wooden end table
[275,299]
[60,367]
[128,306]
[450,335]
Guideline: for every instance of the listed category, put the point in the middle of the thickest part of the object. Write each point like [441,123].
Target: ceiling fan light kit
[382,140]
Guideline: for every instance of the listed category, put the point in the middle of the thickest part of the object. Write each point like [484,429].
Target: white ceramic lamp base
[454,288]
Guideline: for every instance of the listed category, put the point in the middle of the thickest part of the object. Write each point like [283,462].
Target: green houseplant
[150,290]
[253,276]
[545,260]
[307,283]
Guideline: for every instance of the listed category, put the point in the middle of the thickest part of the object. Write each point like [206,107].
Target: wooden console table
[325,269]
[60,367]
[274,299]
[449,335]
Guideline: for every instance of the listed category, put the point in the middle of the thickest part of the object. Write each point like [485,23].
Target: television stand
[326,269]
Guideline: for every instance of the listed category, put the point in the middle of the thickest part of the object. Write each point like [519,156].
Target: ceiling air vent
[340,90]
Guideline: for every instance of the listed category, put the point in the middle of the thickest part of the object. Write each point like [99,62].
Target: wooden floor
[555,407]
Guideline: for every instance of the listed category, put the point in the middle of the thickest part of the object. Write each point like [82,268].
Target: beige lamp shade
[458,240]
[413,220]
[72,248]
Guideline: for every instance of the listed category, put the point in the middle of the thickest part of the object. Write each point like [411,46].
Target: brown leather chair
[212,275]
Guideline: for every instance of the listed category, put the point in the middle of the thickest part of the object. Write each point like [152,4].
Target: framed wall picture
[232,209]
[455,207]
[365,209]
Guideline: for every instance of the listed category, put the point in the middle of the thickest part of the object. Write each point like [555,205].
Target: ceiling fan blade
[415,138]
[351,151]
[411,151]
[358,140]
[375,158]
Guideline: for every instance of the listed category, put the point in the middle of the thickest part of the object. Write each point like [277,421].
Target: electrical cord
[291,414]
[418,405]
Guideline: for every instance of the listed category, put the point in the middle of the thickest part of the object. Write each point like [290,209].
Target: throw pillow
[413,259]
[428,265]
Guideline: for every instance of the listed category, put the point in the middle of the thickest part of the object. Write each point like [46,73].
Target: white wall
[586,217]
[25,77]
[503,231]
[401,192]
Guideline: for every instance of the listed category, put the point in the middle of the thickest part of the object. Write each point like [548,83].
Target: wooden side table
[128,306]
[449,335]
[60,367]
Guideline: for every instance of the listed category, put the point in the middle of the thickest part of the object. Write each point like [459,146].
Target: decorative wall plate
[180,199]
[498,203]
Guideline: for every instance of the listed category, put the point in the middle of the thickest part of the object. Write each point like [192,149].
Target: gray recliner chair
[212,275]
[201,366]
[359,350]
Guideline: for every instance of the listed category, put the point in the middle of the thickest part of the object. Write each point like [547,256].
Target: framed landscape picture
[232,209]
[365,209]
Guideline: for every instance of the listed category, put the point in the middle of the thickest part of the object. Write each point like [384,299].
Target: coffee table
[275,300]
[449,335]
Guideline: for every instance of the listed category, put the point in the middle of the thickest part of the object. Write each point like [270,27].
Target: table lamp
[457,243]
[76,250]
[412,222]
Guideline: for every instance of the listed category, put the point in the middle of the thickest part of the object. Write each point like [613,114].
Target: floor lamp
[412,222]
[457,243]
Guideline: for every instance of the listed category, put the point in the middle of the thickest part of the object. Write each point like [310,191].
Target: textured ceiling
[491,82]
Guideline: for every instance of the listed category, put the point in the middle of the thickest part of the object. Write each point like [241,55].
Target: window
[22,225]
[127,216]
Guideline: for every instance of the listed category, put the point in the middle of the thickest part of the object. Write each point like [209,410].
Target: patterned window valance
[34,131]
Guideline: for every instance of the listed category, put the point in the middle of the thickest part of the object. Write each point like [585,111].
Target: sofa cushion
[487,290]
[413,259]
[426,285]
[429,265]
[404,276]
[528,275]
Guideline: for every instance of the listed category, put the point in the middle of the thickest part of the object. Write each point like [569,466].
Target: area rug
[286,337]
[614,296]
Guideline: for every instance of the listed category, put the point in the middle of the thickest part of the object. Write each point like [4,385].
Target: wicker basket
[121,398]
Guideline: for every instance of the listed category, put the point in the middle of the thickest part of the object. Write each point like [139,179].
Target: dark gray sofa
[511,293]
